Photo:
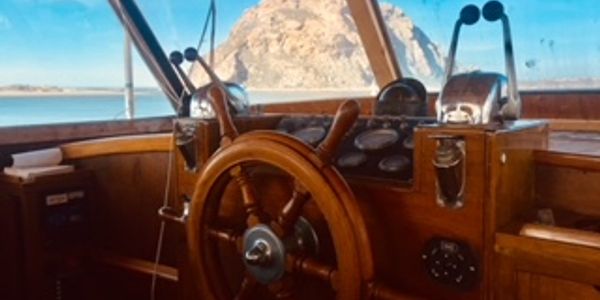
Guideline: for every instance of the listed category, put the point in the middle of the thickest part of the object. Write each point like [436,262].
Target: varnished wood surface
[136,265]
[571,110]
[574,125]
[562,235]
[568,159]
[561,260]
[578,143]
[568,188]
[117,145]
[56,133]
[531,286]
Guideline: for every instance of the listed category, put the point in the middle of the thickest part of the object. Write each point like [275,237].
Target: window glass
[279,50]
[555,42]
[63,61]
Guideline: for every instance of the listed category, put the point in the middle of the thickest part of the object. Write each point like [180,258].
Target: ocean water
[32,110]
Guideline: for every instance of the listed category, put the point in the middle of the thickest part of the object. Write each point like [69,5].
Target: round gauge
[311,135]
[352,159]
[376,139]
[393,164]
[409,142]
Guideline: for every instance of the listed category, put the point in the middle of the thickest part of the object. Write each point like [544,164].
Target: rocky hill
[314,44]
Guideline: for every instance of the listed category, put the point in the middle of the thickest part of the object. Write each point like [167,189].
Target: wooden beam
[136,265]
[375,39]
[117,145]
[56,133]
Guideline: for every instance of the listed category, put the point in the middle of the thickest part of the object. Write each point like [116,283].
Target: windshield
[279,50]
[555,42]
[63,61]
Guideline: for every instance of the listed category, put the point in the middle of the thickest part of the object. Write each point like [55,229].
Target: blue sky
[80,42]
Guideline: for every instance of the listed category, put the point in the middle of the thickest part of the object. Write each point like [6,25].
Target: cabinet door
[533,286]
[10,254]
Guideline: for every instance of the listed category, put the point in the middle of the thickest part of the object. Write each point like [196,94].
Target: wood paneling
[534,287]
[561,105]
[567,188]
[566,107]
[125,226]
[57,133]
[563,235]
[561,260]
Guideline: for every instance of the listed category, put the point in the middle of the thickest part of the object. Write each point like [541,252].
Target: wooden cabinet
[531,286]
[43,230]
[531,268]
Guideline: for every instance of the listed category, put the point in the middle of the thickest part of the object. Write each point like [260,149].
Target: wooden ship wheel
[277,247]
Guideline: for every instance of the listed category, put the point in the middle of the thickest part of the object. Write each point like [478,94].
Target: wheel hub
[264,252]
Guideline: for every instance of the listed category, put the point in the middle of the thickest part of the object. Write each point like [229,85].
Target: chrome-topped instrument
[479,97]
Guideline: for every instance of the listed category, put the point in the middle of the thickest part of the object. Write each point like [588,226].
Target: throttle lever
[176,59]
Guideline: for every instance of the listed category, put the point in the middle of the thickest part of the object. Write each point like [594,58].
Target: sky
[79,43]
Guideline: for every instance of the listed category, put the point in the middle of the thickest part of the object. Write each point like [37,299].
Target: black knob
[493,11]
[470,14]
[176,58]
[191,54]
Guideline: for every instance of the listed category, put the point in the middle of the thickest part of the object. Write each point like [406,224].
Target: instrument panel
[378,147]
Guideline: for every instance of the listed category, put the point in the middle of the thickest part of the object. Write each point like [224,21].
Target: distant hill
[27,89]
[314,44]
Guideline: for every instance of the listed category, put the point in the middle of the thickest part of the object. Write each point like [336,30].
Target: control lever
[494,11]
[176,59]
[168,213]
[469,15]
[237,104]
[450,171]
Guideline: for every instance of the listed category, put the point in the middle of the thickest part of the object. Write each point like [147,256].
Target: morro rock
[314,44]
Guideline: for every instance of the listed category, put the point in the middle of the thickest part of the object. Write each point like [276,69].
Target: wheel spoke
[312,268]
[284,288]
[288,216]
[246,288]
[227,236]
[253,210]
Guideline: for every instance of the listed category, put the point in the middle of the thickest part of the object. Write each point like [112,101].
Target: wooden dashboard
[421,247]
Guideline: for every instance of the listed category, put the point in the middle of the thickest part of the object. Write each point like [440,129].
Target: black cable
[213,33]
[209,15]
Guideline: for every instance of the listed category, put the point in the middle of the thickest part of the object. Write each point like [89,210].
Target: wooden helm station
[338,199]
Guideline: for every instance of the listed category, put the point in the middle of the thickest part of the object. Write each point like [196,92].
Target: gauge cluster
[379,147]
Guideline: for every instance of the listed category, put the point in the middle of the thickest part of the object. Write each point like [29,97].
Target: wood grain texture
[578,143]
[531,286]
[136,265]
[568,188]
[56,133]
[562,235]
[331,196]
[117,145]
[567,160]
[560,260]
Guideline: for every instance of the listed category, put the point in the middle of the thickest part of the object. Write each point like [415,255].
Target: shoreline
[33,94]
